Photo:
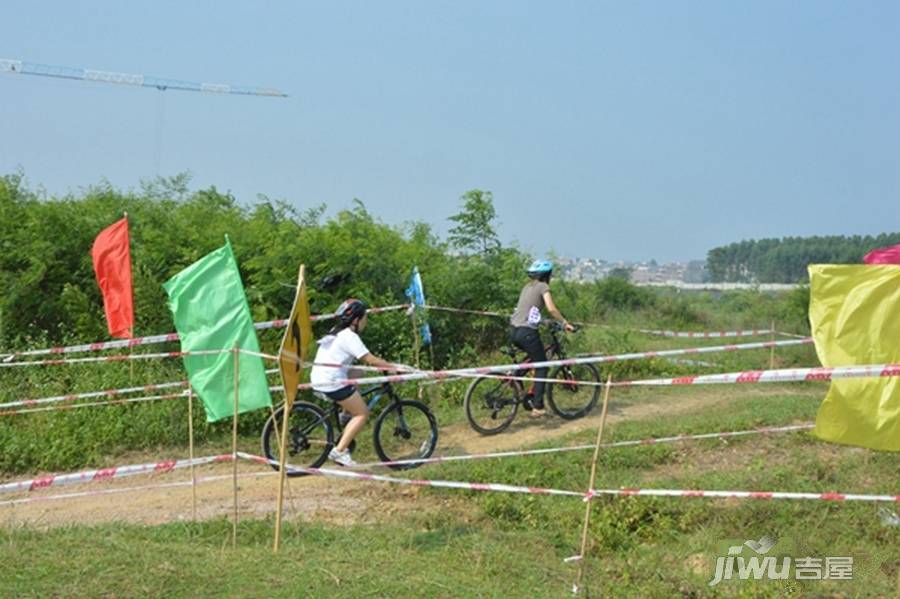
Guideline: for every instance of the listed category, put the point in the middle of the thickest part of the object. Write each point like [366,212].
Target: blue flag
[416,294]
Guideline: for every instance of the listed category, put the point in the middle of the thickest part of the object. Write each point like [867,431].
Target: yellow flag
[854,312]
[296,340]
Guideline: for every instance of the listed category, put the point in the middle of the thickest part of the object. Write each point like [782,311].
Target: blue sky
[616,130]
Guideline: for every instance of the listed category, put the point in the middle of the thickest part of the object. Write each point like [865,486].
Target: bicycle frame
[554,349]
[384,388]
[377,391]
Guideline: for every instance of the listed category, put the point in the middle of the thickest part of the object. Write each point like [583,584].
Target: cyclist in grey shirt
[533,299]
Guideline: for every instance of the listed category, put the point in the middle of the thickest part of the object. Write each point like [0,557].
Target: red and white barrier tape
[794,335]
[186,483]
[415,482]
[167,338]
[638,442]
[743,494]
[464,311]
[90,394]
[444,374]
[94,404]
[692,363]
[101,474]
[787,375]
[502,315]
[707,334]
[777,376]
[504,488]
[117,358]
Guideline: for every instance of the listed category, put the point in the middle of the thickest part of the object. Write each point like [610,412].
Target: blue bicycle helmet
[539,267]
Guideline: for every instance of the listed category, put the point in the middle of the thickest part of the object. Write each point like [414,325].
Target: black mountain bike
[405,430]
[491,403]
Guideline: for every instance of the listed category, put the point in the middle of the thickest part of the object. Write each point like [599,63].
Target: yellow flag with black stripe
[295,343]
[854,312]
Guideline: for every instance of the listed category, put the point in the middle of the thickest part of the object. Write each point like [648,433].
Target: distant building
[650,272]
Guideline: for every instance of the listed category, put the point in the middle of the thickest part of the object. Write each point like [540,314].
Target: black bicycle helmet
[349,311]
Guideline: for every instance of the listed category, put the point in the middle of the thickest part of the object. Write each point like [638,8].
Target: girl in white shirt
[342,346]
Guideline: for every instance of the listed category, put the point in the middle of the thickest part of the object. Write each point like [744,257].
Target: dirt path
[142,499]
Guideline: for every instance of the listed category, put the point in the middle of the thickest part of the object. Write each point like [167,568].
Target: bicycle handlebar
[558,328]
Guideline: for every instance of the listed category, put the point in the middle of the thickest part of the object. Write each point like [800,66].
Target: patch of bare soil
[155,499]
[526,430]
[167,497]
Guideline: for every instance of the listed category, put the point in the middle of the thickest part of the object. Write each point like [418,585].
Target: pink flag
[112,264]
[888,255]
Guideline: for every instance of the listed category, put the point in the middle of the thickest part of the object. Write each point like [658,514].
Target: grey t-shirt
[531,302]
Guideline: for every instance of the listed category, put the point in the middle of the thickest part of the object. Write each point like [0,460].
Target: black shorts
[340,394]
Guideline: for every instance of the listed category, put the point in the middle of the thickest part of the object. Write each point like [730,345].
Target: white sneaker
[342,458]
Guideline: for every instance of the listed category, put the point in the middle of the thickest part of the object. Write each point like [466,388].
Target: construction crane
[20,67]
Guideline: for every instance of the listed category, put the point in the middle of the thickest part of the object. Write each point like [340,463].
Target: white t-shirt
[343,349]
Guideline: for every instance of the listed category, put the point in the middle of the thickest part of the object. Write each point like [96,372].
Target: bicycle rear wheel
[406,430]
[567,397]
[309,436]
[491,404]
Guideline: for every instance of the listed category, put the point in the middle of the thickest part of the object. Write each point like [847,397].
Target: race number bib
[534,316]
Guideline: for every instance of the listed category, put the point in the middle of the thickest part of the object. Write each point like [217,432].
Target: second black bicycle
[492,401]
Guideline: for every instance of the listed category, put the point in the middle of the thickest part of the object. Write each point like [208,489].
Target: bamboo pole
[131,328]
[772,349]
[417,344]
[300,351]
[431,365]
[286,415]
[587,509]
[191,453]
[234,423]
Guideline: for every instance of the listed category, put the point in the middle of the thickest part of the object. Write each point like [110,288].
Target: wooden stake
[285,416]
[131,328]
[431,364]
[191,453]
[300,355]
[417,343]
[587,509]
[772,349]
[234,423]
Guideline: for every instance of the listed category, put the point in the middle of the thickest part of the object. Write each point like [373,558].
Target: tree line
[50,294]
[785,260]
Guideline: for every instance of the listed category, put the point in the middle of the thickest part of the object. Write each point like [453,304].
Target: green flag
[211,312]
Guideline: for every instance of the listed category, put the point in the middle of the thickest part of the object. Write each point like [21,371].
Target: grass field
[465,543]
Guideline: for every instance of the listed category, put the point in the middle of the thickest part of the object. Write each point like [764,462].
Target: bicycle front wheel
[406,430]
[491,404]
[568,396]
[309,437]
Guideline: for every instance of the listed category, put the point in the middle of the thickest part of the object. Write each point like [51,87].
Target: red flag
[112,264]
[888,255]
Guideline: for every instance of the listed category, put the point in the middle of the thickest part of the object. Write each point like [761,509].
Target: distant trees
[785,260]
